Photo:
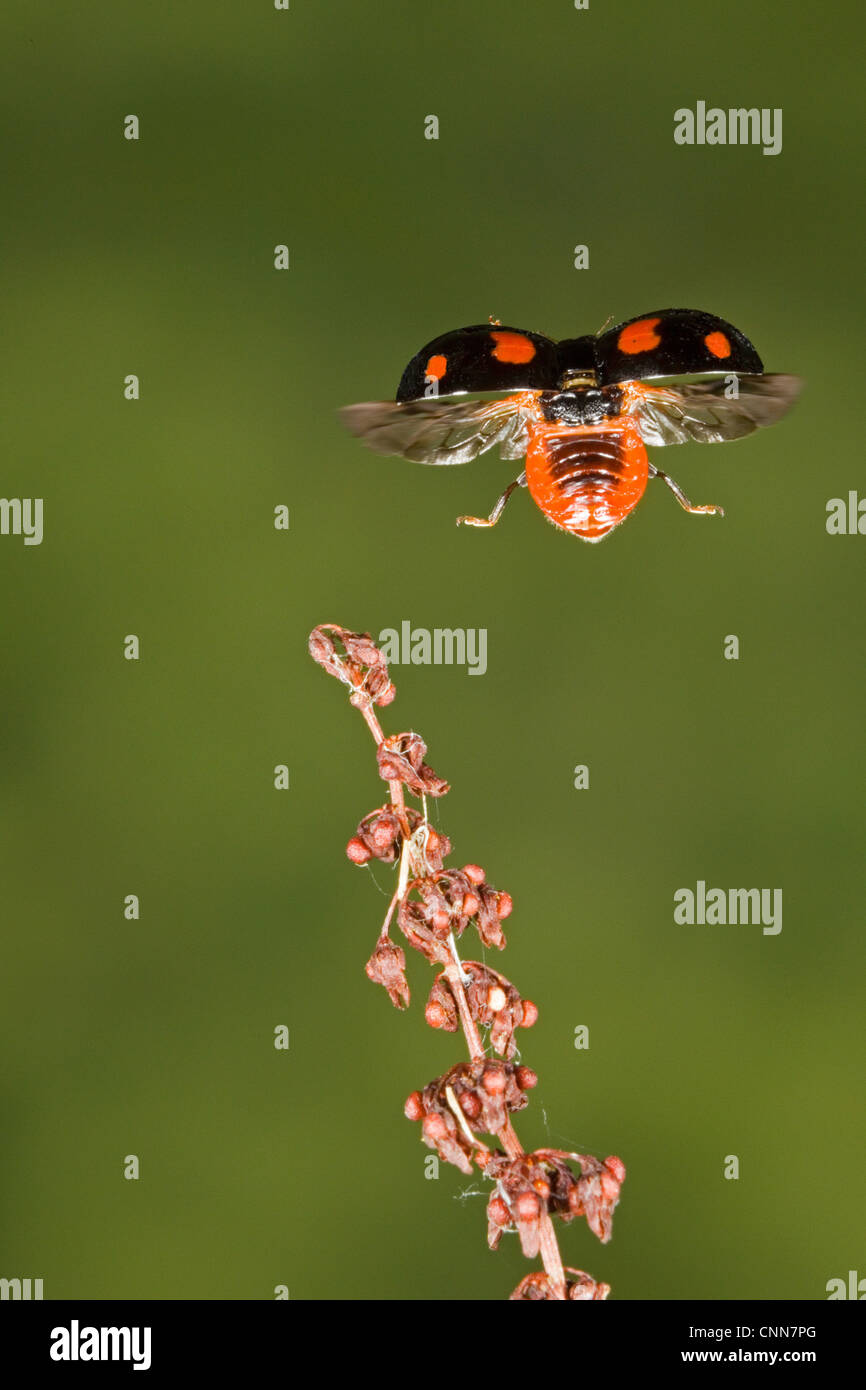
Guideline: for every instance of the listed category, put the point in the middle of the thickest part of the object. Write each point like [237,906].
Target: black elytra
[494,357]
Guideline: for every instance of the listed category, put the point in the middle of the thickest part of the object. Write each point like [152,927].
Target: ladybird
[580,411]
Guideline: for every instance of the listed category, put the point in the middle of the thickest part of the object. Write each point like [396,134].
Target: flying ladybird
[580,410]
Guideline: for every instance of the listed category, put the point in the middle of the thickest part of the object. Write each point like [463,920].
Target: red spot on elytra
[718,344]
[639,337]
[437,366]
[513,347]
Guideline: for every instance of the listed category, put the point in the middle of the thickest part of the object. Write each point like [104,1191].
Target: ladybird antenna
[604,325]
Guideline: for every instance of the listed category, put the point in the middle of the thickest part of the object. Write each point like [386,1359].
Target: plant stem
[365,705]
[548,1245]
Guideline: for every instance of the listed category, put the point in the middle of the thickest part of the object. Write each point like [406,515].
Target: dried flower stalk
[433,906]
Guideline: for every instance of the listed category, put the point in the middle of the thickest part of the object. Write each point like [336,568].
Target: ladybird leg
[494,516]
[678,493]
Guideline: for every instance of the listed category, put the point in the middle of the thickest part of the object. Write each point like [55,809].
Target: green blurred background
[155,1037]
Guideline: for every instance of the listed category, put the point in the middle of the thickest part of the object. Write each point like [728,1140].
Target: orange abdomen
[586,478]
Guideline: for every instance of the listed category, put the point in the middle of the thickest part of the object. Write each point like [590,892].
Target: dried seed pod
[387,966]
[447,902]
[493,1002]
[546,1176]
[472,1098]
[380,836]
[441,1011]
[361,665]
[536,1288]
[583,1288]
[598,1191]
[401,759]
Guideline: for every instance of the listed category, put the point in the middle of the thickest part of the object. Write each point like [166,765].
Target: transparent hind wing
[702,411]
[443,432]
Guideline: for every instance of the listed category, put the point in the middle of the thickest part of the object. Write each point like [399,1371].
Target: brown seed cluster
[445,903]
[472,1098]
[493,1002]
[401,759]
[380,836]
[545,1181]
[465,1114]
[536,1288]
[361,666]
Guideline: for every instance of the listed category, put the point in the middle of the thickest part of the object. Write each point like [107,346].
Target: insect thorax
[582,405]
